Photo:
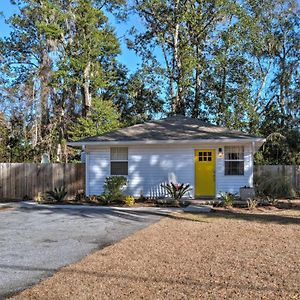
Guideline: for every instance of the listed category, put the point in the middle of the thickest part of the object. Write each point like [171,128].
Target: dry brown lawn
[223,255]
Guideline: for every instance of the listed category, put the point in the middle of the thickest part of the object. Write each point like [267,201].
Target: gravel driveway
[36,241]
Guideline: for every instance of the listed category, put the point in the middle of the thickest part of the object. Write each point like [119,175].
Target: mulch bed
[218,257]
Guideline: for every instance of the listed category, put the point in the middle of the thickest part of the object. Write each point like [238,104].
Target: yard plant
[227,198]
[176,190]
[274,186]
[58,194]
[252,203]
[113,188]
[129,200]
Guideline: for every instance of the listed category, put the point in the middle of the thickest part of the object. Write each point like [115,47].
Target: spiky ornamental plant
[176,190]
[58,194]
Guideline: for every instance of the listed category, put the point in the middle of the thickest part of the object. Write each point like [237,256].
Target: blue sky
[128,57]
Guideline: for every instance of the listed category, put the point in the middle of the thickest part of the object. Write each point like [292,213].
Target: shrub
[112,188]
[80,196]
[252,203]
[92,199]
[227,198]
[176,190]
[58,194]
[26,198]
[274,186]
[40,197]
[129,200]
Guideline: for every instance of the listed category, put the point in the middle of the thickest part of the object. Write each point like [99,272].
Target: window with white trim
[234,160]
[119,161]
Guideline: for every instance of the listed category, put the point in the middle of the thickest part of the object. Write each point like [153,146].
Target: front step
[198,208]
[204,201]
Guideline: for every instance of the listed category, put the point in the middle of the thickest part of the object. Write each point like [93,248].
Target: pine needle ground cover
[216,256]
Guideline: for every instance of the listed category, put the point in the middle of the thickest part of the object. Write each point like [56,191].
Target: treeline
[233,63]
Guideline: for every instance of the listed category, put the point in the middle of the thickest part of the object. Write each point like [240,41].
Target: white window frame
[230,149]
[122,160]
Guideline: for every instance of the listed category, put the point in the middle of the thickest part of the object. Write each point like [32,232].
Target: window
[205,156]
[234,160]
[119,161]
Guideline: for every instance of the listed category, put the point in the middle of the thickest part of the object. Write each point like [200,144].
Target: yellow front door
[205,173]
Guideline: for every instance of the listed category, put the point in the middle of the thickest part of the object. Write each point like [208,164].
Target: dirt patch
[225,255]
[6,208]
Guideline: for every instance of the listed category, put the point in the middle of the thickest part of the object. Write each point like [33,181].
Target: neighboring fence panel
[18,180]
[292,172]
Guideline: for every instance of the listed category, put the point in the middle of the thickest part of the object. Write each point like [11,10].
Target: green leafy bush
[58,194]
[112,188]
[227,198]
[129,200]
[176,190]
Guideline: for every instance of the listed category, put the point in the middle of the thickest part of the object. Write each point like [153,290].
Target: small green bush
[58,194]
[129,200]
[227,198]
[112,188]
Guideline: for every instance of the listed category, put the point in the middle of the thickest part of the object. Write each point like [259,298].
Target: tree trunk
[282,85]
[178,105]
[87,99]
[196,105]
[44,92]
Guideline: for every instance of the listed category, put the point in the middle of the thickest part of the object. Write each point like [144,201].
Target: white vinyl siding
[149,166]
[97,169]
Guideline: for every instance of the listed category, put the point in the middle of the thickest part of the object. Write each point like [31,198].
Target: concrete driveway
[37,240]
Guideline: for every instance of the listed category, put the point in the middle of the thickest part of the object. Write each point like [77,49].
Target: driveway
[35,241]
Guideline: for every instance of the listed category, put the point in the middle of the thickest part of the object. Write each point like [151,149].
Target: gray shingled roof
[172,128]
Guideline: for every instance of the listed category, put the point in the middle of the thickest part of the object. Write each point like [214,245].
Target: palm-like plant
[58,194]
[176,190]
[227,198]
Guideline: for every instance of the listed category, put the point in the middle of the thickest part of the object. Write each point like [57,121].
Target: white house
[176,149]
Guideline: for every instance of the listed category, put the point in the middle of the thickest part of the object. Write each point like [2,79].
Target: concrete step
[198,208]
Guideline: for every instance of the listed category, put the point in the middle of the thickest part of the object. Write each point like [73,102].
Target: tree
[182,32]
[92,52]
[103,118]
[59,55]
[137,97]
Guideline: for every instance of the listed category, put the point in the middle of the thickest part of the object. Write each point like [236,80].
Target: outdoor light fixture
[220,153]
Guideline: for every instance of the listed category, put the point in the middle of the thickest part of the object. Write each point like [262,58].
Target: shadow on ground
[181,281]
[139,215]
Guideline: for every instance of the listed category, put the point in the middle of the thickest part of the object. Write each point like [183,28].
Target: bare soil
[6,208]
[222,255]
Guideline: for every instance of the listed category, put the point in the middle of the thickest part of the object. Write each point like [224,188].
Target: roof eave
[258,141]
